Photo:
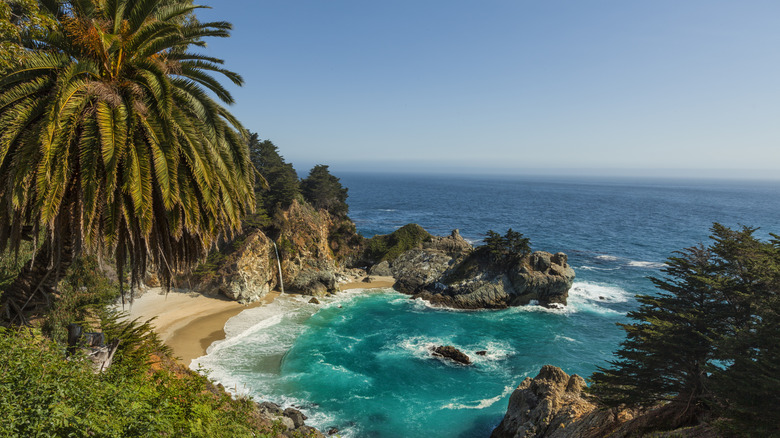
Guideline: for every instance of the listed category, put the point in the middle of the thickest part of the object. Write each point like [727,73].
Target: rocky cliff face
[552,405]
[478,283]
[417,268]
[245,271]
[313,246]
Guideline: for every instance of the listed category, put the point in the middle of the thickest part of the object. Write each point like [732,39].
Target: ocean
[360,363]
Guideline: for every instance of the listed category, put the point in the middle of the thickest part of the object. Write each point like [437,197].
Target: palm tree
[112,144]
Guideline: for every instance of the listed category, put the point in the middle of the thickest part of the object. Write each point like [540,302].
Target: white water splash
[480,404]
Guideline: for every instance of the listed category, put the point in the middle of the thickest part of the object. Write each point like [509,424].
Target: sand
[189,322]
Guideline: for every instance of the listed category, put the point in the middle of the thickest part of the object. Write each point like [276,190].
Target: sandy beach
[189,322]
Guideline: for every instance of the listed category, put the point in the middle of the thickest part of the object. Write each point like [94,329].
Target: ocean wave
[588,291]
[534,306]
[648,265]
[565,338]
[594,268]
[481,404]
[607,258]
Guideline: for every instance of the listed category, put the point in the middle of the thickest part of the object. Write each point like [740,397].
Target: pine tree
[324,191]
[708,342]
[667,349]
[281,185]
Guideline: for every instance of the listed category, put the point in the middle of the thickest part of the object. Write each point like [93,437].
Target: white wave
[421,304]
[534,306]
[648,265]
[565,338]
[480,404]
[594,268]
[588,291]
[606,257]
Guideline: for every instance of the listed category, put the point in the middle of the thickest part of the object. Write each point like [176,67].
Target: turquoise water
[360,361]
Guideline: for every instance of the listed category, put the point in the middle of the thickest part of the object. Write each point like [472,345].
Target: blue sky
[513,86]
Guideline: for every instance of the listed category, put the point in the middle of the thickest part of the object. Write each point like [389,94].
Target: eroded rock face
[553,405]
[542,277]
[417,268]
[545,406]
[247,273]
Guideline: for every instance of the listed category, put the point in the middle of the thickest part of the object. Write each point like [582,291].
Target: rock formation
[478,283]
[245,270]
[419,267]
[451,353]
[552,405]
[291,419]
[314,250]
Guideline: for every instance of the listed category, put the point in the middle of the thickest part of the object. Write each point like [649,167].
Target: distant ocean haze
[360,361]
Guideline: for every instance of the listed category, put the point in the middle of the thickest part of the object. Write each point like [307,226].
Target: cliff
[314,249]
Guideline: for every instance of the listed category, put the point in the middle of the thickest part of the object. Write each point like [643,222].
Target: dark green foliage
[510,246]
[390,246]
[667,351]
[279,185]
[708,341]
[82,294]
[324,191]
[42,394]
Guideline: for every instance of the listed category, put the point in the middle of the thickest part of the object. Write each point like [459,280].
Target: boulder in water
[451,353]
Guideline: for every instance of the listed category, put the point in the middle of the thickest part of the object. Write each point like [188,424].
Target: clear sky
[594,86]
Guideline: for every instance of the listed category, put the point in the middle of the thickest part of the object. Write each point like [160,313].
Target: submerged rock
[451,353]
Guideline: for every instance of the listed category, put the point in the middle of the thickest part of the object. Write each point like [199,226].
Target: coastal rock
[478,283]
[553,405]
[315,246]
[417,268]
[247,272]
[548,405]
[451,353]
[314,301]
[381,269]
[296,416]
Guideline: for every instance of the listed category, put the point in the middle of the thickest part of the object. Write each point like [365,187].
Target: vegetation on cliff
[705,346]
[388,247]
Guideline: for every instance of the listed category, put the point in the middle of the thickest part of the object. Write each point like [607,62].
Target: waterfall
[279,264]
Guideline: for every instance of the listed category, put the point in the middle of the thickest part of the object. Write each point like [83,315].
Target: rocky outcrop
[314,248]
[419,267]
[478,282]
[291,419]
[552,405]
[451,353]
[244,270]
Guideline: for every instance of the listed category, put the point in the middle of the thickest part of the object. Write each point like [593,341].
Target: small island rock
[451,353]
